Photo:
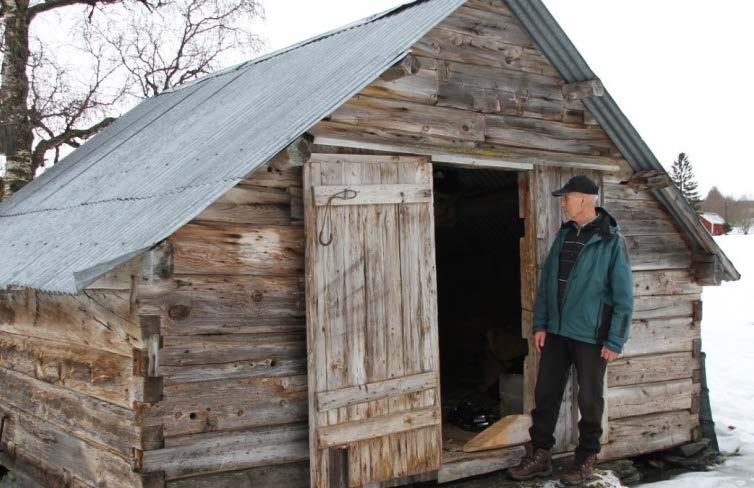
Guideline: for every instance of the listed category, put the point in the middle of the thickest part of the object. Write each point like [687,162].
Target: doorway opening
[478,230]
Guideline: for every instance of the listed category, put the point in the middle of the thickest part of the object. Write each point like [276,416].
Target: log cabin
[283,274]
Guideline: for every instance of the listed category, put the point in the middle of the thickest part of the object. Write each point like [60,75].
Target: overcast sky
[681,70]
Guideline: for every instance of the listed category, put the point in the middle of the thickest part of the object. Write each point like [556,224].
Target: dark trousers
[558,354]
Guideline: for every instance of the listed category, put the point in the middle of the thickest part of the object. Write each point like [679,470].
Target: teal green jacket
[598,300]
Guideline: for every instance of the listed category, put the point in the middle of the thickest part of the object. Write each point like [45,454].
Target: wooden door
[373,356]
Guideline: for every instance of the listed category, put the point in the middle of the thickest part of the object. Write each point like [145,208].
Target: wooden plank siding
[70,373]
[654,387]
[483,89]
[232,345]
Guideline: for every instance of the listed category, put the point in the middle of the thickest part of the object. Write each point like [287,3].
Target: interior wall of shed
[478,229]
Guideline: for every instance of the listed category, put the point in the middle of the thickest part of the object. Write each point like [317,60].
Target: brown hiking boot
[537,464]
[579,473]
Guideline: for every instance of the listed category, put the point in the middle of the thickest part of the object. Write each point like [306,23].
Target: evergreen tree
[682,174]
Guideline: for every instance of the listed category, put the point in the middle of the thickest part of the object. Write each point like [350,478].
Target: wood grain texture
[229,451]
[368,392]
[349,432]
[647,433]
[649,398]
[654,336]
[457,465]
[98,319]
[96,373]
[508,431]
[665,282]
[372,323]
[98,422]
[203,358]
[255,205]
[395,140]
[371,194]
[228,404]
[652,368]
[664,306]
[57,454]
[410,117]
[231,304]
[251,250]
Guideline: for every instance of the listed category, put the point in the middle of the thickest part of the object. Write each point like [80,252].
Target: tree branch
[53,4]
[66,137]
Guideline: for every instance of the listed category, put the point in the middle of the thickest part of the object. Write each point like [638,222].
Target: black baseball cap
[580,184]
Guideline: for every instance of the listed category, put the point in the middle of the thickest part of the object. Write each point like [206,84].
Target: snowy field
[728,340]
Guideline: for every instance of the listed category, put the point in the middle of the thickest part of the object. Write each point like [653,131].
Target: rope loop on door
[347,194]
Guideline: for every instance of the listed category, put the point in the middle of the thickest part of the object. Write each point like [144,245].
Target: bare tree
[54,95]
[746,225]
[742,214]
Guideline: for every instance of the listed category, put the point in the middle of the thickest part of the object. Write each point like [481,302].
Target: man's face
[572,204]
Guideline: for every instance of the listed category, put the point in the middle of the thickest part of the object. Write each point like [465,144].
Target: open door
[373,356]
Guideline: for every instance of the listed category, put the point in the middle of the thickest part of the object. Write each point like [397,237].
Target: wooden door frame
[459,465]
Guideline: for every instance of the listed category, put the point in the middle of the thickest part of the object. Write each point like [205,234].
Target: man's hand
[608,354]
[539,340]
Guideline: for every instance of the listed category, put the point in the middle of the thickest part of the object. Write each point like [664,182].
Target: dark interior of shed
[478,229]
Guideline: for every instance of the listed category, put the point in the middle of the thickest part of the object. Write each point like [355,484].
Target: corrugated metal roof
[163,162]
[560,51]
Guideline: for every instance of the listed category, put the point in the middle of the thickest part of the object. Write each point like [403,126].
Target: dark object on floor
[468,415]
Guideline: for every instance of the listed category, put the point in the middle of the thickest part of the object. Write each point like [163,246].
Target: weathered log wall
[482,89]
[232,342]
[69,375]
[653,389]
[188,364]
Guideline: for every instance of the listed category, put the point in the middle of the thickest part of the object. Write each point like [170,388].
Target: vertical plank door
[373,355]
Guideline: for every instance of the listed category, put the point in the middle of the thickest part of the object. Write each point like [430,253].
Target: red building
[713,223]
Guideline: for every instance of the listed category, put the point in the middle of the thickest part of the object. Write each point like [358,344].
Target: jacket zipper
[568,284]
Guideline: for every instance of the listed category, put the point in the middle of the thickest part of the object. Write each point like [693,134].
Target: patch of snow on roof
[713,218]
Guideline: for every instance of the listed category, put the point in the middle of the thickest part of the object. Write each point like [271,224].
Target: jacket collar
[606,225]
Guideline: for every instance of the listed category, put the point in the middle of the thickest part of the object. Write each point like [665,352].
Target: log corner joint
[707,269]
[294,154]
[407,66]
[583,89]
[652,179]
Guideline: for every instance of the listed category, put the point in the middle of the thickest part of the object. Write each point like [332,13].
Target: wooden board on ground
[508,431]
[457,465]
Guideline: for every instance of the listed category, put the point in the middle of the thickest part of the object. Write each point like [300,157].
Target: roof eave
[560,51]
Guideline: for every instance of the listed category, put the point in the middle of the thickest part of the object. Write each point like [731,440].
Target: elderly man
[582,317]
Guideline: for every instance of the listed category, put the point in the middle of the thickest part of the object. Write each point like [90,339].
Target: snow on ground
[728,340]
